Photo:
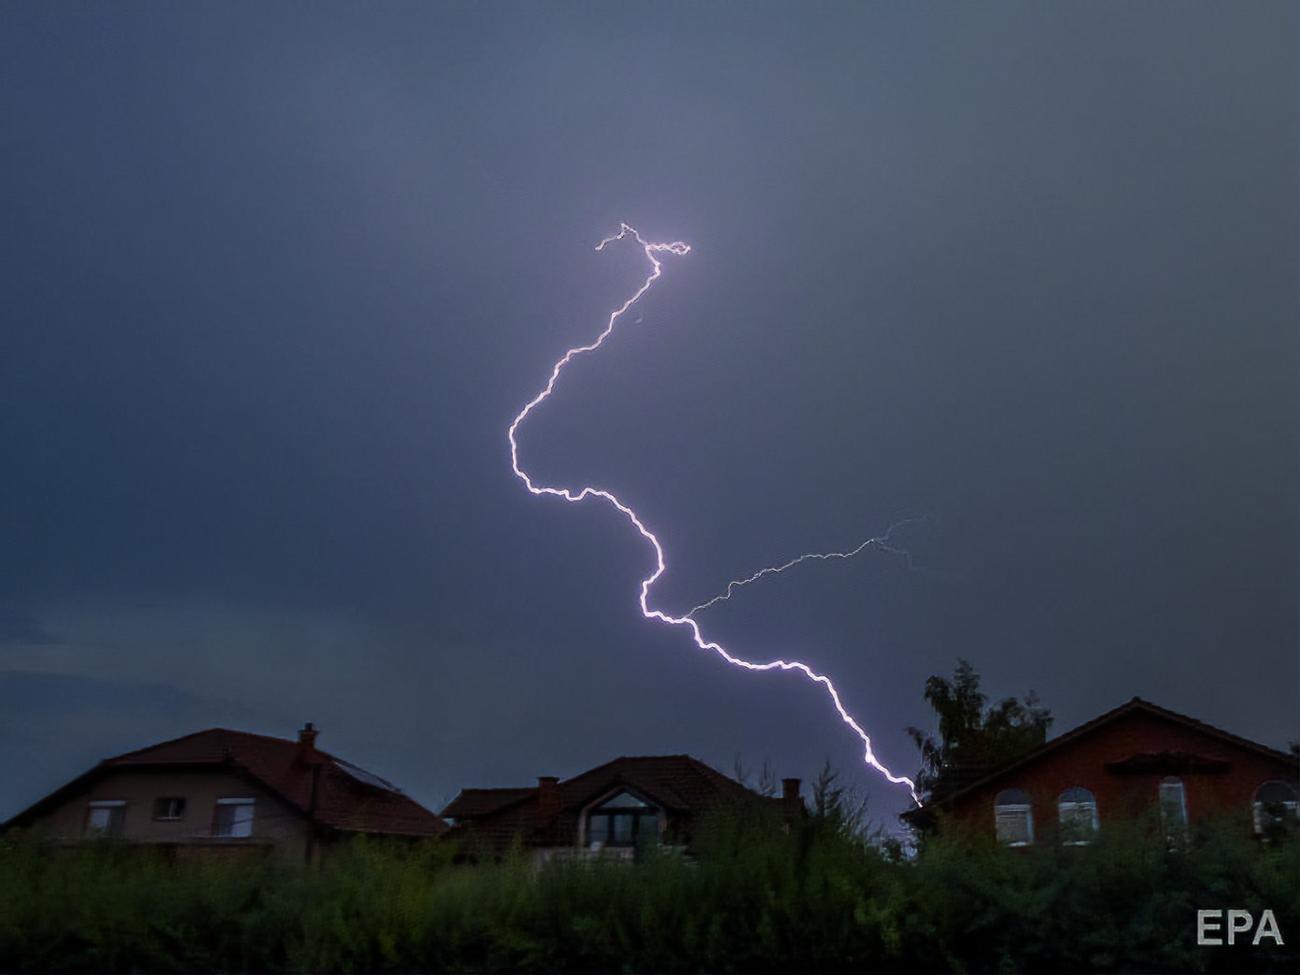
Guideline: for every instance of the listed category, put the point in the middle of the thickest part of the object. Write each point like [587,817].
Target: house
[229,790]
[611,809]
[1136,759]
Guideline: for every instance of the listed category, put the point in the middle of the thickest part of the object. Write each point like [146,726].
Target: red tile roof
[472,803]
[345,797]
[678,783]
[921,813]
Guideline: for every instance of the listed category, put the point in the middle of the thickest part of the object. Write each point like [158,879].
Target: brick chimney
[792,808]
[548,795]
[307,753]
[790,790]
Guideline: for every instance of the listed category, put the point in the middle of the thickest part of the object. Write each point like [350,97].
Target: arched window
[1275,803]
[622,820]
[1013,817]
[1077,810]
[1173,803]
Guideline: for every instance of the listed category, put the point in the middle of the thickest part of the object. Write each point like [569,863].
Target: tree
[838,810]
[766,776]
[974,738]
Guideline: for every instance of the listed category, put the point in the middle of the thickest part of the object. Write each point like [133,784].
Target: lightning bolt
[880,542]
[653,252]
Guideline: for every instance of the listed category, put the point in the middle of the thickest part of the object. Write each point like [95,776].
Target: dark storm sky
[275,279]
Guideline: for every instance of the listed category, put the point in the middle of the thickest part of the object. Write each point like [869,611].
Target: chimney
[307,744]
[548,795]
[792,807]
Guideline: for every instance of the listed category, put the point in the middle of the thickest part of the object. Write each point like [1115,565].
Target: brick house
[611,809]
[222,790]
[1134,760]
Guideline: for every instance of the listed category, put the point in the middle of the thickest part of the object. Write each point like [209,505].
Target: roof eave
[1128,707]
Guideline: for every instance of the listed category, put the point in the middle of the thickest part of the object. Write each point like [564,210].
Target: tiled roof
[345,797]
[472,803]
[1135,704]
[678,783]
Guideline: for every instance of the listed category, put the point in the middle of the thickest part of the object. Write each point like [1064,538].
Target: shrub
[761,896]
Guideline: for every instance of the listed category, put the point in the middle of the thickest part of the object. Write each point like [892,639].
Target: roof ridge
[603,765]
[1134,703]
[1178,715]
[499,788]
[169,741]
[585,772]
[348,797]
[227,731]
[642,758]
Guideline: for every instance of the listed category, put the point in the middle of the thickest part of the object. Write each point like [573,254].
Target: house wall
[276,824]
[1124,796]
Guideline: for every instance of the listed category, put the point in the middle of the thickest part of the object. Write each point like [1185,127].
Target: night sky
[275,279]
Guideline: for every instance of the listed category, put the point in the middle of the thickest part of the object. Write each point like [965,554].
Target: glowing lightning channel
[652,251]
[880,542]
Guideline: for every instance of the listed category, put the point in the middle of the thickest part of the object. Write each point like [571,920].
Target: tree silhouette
[974,738]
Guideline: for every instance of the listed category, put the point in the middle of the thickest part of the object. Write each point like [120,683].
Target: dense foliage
[819,897]
[974,736]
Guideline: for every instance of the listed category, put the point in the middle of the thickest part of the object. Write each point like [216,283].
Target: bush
[759,897]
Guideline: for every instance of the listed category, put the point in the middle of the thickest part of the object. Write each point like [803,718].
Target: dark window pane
[233,819]
[106,819]
[1013,797]
[1173,802]
[598,829]
[169,808]
[624,800]
[648,828]
[622,828]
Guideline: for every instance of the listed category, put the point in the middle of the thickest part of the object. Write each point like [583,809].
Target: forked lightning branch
[654,255]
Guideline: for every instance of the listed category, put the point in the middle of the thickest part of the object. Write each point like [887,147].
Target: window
[1275,804]
[1173,803]
[233,818]
[1077,811]
[105,817]
[169,808]
[1013,817]
[622,820]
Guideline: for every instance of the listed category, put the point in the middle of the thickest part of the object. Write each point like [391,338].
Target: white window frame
[638,806]
[1024,808]
[1169,784]
[1071,809]
[1290,807]
[109,806]
[241,827]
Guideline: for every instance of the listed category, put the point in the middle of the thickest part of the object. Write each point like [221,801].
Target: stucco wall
[275,822]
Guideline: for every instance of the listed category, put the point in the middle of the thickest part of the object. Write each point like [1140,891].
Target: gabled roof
[325,789]
[1135,705]
[676,783]
[472,803]
[1169,761]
